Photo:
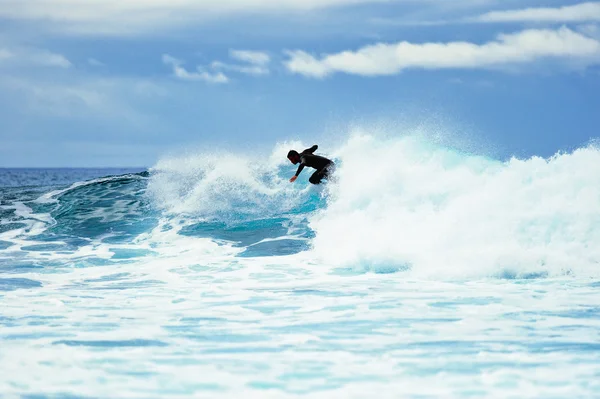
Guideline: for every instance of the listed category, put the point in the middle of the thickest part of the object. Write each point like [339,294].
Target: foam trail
[444,214]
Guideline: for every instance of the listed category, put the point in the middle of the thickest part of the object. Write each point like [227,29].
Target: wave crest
[406,203]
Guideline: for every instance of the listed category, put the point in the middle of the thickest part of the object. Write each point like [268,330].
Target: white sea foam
[404,203]
[408,204]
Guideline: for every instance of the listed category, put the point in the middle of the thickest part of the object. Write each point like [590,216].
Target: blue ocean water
[444,274]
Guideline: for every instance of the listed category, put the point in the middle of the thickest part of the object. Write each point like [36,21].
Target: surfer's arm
[299,169]
[311,149]
[293,179]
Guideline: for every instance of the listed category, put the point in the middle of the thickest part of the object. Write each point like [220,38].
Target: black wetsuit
[323,165]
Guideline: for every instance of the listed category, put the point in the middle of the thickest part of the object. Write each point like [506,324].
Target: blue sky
[124,82]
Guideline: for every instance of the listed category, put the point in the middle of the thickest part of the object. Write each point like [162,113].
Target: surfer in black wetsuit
[323,165]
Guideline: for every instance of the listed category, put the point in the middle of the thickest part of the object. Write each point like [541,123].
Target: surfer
[323,165]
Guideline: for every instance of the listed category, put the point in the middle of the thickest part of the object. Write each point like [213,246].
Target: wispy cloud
[255,70]
[94,62]
[251,57]
[256,62]
[33,57]
[253,63]
[77,107]
[47,58]
[583,12]
[76,96]
[122,17]
[508,49]
[573,13]
[591,30]
[381,21]
[200,75]
[5,54]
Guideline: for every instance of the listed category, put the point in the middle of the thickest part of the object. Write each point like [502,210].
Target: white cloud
[33,57]
[575,13]
[170,60]
[508,49]
[94,62]
[251,57]
[118,17]
[256,62]
[255,70]
[181,73]
[47,58]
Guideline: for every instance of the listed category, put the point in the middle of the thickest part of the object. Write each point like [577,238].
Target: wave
[409,203]
[402,203]
[106,206]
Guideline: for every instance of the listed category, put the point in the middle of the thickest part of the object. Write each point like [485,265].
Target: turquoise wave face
[112,209]
[117,209]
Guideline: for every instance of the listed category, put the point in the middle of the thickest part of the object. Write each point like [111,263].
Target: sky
[100,83]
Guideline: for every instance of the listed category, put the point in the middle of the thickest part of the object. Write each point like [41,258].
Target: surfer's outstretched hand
[293,179]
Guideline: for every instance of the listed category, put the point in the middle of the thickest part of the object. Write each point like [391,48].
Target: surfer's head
[293,156]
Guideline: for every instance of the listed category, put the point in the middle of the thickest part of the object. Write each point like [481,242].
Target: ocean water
[419,271]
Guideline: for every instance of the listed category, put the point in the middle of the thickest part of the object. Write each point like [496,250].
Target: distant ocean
[419,271]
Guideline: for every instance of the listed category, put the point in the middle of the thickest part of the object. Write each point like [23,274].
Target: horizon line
[75,167]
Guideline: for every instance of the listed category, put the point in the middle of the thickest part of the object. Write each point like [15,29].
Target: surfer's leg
[321,174]
[316,177]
